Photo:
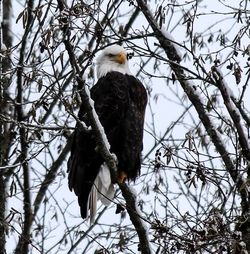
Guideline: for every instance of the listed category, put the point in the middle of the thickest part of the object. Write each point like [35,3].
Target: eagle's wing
[111,97]
[130,156]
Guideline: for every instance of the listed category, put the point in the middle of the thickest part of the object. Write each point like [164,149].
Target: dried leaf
[61,58]
[19,16]
[25,17]
[40,84]
[39,13]
[237,73]
[12,188]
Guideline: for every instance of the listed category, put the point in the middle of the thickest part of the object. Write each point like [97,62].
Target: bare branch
[50,176]
[234,113]
[22,246]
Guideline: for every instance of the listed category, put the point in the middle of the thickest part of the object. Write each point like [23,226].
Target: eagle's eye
[130,55]
[111,55]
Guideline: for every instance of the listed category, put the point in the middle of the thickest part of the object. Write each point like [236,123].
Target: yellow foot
[121,177]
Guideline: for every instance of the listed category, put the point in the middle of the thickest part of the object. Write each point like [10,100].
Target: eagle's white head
[112,58]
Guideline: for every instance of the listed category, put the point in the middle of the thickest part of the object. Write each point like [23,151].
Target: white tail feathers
[103,190]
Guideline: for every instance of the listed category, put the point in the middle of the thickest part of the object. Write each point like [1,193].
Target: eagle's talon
[122,176]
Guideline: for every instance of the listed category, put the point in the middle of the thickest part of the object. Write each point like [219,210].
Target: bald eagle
[120,100]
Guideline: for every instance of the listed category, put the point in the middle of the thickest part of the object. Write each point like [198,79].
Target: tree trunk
[5,64]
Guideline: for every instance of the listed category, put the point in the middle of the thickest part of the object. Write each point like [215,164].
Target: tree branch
[193,95]
[232,110]
[50,176]
[23,243]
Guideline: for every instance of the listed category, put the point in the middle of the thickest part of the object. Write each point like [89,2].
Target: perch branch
[102,144]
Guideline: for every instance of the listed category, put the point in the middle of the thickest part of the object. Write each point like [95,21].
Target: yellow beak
[121,58]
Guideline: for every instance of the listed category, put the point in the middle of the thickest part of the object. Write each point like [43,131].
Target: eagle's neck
[109,66]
